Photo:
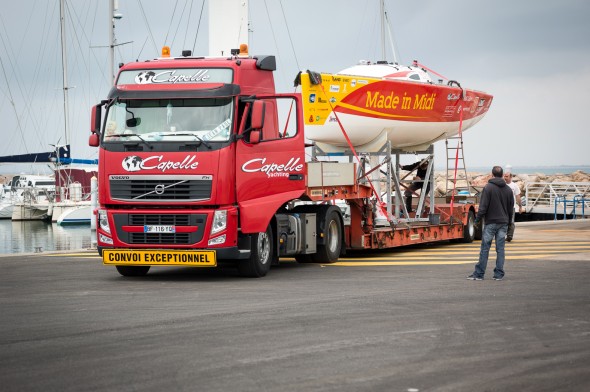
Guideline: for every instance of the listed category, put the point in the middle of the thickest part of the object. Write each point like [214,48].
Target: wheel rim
[263,248]
[333,234]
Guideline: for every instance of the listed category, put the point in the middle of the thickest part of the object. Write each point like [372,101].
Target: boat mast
[386,25]
[382,13]
[64,66]
[112,40]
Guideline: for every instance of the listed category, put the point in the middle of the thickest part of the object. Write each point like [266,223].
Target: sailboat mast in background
[64,66]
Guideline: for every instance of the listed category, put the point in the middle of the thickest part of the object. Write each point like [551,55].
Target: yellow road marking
[437,254]
[563,231]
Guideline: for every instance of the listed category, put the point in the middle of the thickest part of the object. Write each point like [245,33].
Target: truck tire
[469,229]
[329,251]
[261,253]
[126,270]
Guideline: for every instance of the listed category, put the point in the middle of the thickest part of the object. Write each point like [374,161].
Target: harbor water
[38,236]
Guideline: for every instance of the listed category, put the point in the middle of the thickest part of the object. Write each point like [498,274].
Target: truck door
[270,159]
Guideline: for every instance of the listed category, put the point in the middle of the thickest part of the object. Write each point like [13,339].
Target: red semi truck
[201,162]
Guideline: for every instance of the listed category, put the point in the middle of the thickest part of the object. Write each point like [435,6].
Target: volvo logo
[159,189]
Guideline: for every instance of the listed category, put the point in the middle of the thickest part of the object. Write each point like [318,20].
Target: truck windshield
[206,119]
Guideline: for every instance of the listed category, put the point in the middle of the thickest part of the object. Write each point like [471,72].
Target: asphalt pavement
[404,320]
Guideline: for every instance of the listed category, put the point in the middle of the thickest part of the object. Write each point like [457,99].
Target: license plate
[204,258]
[159,229]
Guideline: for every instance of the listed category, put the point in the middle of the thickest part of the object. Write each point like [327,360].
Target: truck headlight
[103,221]
[219,221]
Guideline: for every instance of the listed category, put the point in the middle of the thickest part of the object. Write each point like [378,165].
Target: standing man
[496,207]
[517,200]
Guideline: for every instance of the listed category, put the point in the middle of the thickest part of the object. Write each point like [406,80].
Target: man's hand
[477,224]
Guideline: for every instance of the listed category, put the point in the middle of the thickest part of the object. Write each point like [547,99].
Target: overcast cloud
[533,56]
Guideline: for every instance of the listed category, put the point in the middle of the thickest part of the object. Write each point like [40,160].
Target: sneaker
[473,277]
[498,277]
[508,238]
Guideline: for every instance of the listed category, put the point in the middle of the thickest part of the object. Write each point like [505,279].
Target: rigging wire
[142,46]
[279,57]
[12,103]
[198,25]
[289,35]
[25,95]
[391,39]
[179,22]
[361,27]
[171,20]
[187,24]
[274,36]
[102,66]
[148,27]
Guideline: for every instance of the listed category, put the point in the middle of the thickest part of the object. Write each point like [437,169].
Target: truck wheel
[261,251]
[469,229]
[126,270]
[330,250]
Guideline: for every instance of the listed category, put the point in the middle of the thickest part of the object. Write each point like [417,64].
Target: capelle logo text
[273,169]
[135,163]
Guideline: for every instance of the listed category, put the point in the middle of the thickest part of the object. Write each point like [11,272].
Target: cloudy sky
[533,56]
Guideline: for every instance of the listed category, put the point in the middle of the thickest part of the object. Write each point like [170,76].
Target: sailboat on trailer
[385,101]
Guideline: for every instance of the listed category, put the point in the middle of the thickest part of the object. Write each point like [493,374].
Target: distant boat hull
[30,211]
[372,110]
[72,213]
[6,209]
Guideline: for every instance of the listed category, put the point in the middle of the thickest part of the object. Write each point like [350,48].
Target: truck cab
[196,155]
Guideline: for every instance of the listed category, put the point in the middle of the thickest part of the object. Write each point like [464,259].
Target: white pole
[64,66]
[382,13]
[112,40]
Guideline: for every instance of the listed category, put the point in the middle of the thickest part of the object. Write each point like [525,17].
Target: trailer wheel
[126,270]
[469,229]
[261,252]
[332,229]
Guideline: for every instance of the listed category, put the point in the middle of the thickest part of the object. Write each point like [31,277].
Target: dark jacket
[497,202]
[421,172]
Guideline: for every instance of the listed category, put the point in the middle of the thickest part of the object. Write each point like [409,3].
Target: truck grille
[154,219]
[196,221]
[138,188]
[160,238]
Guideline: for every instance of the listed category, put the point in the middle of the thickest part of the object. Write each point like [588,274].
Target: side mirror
[133,122]
[93,140]
[254,136]
[95,118]
[257,120]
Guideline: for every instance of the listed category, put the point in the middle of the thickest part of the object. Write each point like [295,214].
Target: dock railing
[571,198]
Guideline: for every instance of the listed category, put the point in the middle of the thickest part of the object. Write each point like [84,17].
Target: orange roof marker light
[165,51]
[243,50]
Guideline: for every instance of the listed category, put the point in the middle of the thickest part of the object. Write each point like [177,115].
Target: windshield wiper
[189,134]
[133,134]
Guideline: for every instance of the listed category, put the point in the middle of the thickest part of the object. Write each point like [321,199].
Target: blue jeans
[491,231]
